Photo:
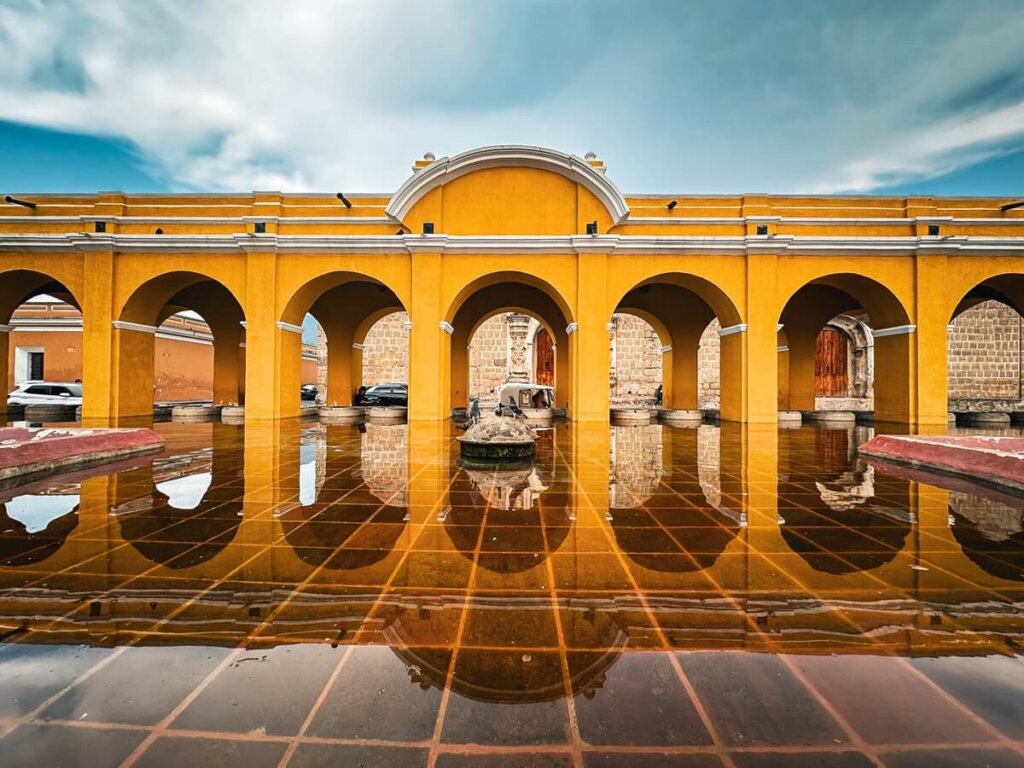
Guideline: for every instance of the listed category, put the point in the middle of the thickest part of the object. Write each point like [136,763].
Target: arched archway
[985,362]
[822,301]
[26,353]
[140,319]
[508,292]
[680,307]
[346,305]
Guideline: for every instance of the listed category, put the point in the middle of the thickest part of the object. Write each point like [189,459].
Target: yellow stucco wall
[513,223]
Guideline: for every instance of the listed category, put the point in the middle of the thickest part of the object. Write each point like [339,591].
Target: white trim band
[779,327]
[571,328]
[896,330]
[666,348]
[447,327]
[124,325]
[729,330]
[407,325]
[290,327]
[6,328]
[783,349]
[951,327]
[357,345]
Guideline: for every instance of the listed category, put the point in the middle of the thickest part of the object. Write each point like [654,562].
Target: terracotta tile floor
[309,596]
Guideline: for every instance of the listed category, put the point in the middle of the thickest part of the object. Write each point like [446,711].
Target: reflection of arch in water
[185,520]
[32,527]
[337,537]
[704,535]
[521,495]
[506,677]
[164,533]
[849,532]
[990,532]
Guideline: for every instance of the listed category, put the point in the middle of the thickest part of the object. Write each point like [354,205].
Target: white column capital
[729,330]
[896,330]
[124,325]
[446,327]
[571,328]
[289,327]
[357,345]
[666,348]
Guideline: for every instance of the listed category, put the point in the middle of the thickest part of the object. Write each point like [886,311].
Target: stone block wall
[985,358]
[386,351]
[488,360]
[635,370]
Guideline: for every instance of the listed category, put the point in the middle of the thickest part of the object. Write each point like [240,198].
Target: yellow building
[513,228]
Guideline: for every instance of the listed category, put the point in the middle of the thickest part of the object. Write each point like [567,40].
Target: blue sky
[710,96]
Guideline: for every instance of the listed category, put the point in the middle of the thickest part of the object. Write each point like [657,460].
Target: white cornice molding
[6,328]
[571,328]
[896,330]
[447,327]
[289,327]
[125,325]
[447,169]
[783,349]
[515,244]
[729,330]
[666,348]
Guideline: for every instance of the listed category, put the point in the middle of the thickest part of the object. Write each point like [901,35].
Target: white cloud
[681,97]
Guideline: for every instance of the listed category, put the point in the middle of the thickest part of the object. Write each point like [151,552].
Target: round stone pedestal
[498,439]
[678,417]
[630,417]
[309,412]
[829,418]
[387,414]
[162,413]
[790,419]
[342,414]
[233,414]
[196,414]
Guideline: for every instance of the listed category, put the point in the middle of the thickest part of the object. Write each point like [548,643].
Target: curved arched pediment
[448,169]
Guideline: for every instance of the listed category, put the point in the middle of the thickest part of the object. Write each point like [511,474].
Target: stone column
[518,364]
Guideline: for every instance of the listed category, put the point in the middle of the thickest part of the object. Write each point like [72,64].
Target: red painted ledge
[995,460]
[26,452]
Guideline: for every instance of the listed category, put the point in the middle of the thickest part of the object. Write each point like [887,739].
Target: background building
[46,344]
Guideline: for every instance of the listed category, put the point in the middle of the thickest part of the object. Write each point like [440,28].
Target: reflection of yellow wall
[518,216]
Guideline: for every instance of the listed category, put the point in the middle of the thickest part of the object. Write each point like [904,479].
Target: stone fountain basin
[498,439]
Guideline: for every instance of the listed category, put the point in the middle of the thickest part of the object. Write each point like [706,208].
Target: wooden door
[831,377]
[544,358]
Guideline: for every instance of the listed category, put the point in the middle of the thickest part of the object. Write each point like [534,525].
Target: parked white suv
[46,393]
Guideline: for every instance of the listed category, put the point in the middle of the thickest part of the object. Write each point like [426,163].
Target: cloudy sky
[676,96]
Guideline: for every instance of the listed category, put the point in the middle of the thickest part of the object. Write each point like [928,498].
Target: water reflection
[367,584]
[350,513]
[35,525]
[183,510]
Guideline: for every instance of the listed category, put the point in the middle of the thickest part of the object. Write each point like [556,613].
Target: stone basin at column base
[50,412]
[195,414]
[831,418]
[387,414]
[342,414]
[629,417]
[233,414]
[678,417]
[790,419]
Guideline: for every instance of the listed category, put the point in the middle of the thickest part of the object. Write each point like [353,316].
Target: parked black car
[309,391]
[387,394]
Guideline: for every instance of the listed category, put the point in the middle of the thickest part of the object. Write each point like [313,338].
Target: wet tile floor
[295,595]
